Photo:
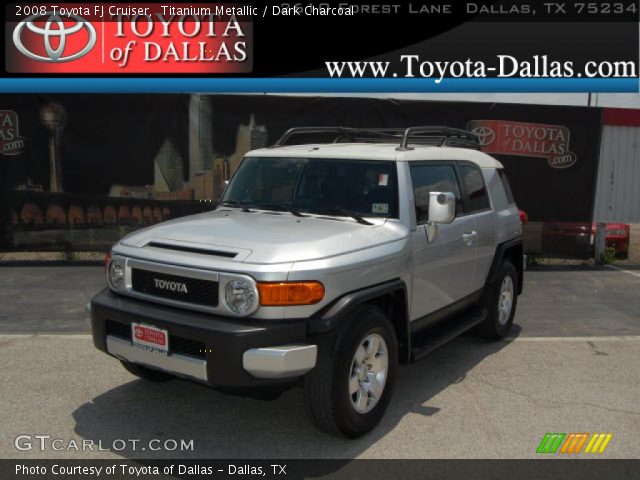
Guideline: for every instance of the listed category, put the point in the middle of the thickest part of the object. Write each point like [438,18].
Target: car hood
[267,237]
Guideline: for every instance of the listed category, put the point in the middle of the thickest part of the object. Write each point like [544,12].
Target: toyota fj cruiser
[332,257]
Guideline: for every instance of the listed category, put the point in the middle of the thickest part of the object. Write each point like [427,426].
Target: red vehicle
[577,239]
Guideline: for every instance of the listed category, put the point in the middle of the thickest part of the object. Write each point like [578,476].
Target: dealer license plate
[150,338]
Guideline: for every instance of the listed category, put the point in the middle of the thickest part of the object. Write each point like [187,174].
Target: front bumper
[220,351]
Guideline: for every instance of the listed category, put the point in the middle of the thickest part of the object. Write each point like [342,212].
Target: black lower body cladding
[223,339]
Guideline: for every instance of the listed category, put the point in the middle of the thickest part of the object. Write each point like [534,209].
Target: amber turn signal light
[279,294]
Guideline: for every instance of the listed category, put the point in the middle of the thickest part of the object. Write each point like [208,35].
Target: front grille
[178,345]
[173,287]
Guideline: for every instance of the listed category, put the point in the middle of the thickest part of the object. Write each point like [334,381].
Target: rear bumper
[220,351]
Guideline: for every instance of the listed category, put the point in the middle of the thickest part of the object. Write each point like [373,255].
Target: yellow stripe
[598,442]
[566,443]
[607,439]
[591,442]
[583,438]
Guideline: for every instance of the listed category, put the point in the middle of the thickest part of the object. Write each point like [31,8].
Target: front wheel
[350,388]
[500,300]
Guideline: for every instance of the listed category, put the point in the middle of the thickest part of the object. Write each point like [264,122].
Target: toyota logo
[54,55]
[486,136]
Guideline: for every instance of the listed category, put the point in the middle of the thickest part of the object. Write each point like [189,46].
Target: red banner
[525,139]
[125,38]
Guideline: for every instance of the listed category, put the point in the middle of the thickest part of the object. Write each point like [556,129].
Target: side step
[431,338]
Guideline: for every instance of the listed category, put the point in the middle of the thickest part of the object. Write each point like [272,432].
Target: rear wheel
[145,373]
[500,300]
[350,388]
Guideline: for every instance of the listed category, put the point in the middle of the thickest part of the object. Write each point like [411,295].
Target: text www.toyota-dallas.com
[50,443]
[504,66]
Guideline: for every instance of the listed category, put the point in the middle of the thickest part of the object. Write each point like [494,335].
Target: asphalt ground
[570,365]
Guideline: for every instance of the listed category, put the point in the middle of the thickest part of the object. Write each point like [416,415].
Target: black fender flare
[332,317]
[499,257]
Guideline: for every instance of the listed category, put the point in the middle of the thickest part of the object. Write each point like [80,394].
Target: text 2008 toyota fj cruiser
[325,264]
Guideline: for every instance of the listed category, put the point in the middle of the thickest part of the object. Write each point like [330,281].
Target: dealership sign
[119,38]
[525,139]
[11,143]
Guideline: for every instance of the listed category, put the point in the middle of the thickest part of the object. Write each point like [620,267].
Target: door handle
[469,238]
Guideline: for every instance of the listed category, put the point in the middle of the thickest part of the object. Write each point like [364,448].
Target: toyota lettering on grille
[171,286]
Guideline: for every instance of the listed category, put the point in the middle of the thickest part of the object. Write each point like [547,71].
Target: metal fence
[633,257]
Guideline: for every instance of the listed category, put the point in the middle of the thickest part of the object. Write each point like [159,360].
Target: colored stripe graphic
[573,443]
[550,442]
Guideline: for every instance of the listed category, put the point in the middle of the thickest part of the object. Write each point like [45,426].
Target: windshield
[326,186]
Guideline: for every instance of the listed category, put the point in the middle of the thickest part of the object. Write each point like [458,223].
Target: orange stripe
[583,439]
[566,443]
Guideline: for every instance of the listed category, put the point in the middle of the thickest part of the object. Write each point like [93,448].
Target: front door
[443,267]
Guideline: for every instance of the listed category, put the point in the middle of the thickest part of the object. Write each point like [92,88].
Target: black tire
[327,398]
[145,373]
[492,328]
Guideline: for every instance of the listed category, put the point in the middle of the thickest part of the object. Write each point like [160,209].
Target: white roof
[379,151]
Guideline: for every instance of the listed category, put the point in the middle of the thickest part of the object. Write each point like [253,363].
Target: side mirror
[442,207]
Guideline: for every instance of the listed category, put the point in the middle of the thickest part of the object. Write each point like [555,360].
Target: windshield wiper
[342,213]
[237,204]
[279,207]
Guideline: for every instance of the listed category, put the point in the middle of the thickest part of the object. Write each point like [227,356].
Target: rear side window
[475,188]
[506,186]
[433,178]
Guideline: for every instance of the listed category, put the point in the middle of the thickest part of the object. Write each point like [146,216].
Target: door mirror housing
[442,207]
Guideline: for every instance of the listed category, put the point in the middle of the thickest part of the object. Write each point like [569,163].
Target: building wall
[618,184]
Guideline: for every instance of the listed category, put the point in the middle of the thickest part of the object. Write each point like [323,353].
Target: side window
[433,178]
[506,186]
[475,187]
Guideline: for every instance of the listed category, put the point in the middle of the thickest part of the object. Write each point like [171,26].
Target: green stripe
[557,443]
[542,448]
[551,442]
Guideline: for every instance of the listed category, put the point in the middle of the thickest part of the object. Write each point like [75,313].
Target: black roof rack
[426,135]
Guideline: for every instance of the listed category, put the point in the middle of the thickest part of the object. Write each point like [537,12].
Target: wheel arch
[511,250]
[390,296]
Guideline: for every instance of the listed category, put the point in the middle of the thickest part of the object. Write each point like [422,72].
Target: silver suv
[332,257]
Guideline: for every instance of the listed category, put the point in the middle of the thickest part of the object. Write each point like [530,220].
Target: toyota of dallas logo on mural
[125,38]
[524,139]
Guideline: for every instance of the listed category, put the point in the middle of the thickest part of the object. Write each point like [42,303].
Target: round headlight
[116,273]
[241,297]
